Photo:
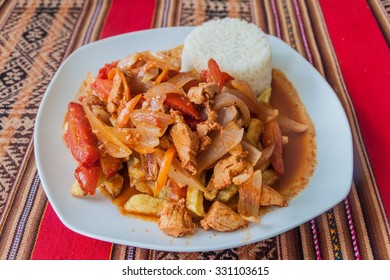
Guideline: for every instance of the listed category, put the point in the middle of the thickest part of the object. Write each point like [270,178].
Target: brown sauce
[299,154]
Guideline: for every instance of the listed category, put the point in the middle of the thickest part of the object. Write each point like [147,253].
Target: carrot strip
[164,169]
[161,76]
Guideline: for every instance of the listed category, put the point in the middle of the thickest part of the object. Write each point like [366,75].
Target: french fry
[265,95]
[76,190]
[113,185]
[194,202]
[211,191]
[254,131]
[145,186]
[269,177]
[145,204]
[269,196]
[226,195]
[134,168]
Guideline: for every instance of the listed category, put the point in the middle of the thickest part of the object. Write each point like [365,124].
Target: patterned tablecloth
[347,41]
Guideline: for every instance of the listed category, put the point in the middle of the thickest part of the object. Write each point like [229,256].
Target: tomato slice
[79,137]
[182,104]
[102,88]
[109,164]
[88,177]
[103,72]
[176,192]
[216,75]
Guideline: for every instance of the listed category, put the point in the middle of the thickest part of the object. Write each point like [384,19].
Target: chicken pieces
[175,220]
[203,92]
[186,143]
[226,169]
[222,218]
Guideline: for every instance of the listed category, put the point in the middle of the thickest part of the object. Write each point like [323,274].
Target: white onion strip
[253,153]
[112,144]
[163,88]
[249,194]
[230,137]
[265,155]
[227,115]
[288,125]
[259,108]
[181,79]
[226,99]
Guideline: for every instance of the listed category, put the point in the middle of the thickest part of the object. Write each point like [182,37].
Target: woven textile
[36,36]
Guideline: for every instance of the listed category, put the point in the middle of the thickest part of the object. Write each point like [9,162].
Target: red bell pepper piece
[216,75]
[182,104]
[102,88]
[273,135]
[88,177]
[103,72]
[79,137]
[109,164]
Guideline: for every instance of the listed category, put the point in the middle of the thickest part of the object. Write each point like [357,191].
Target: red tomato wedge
[110,165]
[79,137]
[216,75]
[88,177]
[182,104]
[273,135]
[176,192]
[102,88]
[103,72]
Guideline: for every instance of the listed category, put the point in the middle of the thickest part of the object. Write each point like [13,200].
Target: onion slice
[135,138]
[124,114]
[149,165]
[161,89]
[114,146]
[244,88]
[288,125]
[145,118]
[227,115]
[181,79]
[253,153]
[249,194]
[259,108]
[225,99]
[230,137]
[265,155]
[162,60]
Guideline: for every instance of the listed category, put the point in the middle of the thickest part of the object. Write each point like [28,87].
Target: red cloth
[78,247]
[364,59]
[124,18]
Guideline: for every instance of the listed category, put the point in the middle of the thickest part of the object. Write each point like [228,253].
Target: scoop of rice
[240,48]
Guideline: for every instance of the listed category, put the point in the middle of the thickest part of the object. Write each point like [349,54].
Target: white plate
[98,218]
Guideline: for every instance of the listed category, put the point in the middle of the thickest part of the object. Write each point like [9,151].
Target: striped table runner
[36,36]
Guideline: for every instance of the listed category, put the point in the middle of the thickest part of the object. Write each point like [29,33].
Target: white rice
[240,48]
